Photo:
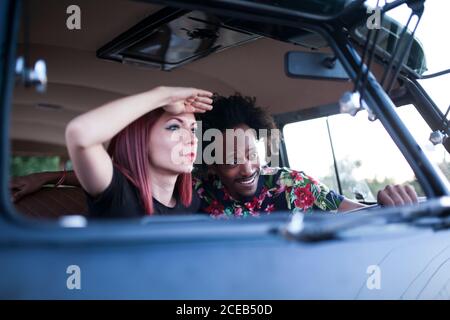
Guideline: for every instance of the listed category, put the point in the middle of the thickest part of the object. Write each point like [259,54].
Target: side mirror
[314,65]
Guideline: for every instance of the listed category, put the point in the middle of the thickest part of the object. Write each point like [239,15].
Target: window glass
[421,133]
[21,165]
[367,158]
[309,150]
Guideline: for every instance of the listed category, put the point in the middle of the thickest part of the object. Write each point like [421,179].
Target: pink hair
[129,150]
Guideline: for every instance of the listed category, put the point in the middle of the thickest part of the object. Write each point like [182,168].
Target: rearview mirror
[314,65]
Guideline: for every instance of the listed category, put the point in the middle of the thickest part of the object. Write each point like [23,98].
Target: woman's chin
[186,168]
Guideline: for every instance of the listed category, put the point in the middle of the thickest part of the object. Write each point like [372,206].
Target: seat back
[52,203]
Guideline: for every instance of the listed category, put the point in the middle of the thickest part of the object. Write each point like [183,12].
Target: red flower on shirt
[215,208]
[264,193]
[254,205]
[269,208]
[238,211]
[297,176]
[304,197]
[280,189]
[226,195]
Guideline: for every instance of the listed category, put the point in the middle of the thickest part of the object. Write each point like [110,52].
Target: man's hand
[397,195]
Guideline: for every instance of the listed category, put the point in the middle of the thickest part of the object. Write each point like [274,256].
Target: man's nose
[246,168]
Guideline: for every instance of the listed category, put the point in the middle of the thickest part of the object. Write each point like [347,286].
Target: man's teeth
[248,181]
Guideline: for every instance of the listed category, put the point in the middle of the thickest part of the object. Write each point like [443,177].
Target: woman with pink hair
[147,169]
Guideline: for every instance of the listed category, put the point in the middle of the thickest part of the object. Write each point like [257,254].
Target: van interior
[126,47]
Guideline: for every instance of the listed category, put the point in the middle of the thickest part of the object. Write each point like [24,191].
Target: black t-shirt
[121,199]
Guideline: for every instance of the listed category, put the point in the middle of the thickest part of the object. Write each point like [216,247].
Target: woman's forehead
[185,118]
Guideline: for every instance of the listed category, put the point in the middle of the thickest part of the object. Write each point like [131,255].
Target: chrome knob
[349,103]
[437,137]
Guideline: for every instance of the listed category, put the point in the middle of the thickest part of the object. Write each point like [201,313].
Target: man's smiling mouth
[249,180]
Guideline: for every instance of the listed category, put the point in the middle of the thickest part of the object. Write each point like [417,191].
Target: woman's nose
[190,137]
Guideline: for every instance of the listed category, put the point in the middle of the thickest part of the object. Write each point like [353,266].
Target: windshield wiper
[325,226]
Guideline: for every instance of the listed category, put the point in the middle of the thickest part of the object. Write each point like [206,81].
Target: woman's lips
[190,156]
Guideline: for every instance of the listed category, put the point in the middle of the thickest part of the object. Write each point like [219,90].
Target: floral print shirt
[279,189]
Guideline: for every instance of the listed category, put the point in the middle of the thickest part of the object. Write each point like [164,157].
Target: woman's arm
[86,133]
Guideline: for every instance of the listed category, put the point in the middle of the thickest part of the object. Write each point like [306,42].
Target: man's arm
[348,205]
[391,195]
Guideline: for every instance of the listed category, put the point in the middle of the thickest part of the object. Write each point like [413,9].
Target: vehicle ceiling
[79,81]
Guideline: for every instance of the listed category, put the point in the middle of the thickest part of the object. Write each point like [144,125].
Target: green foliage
[21,166]
[349,184]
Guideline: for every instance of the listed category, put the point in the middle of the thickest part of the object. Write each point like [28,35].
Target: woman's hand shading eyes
[181,100]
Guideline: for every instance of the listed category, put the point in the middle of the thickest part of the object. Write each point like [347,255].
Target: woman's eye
[194,130]
[173,127]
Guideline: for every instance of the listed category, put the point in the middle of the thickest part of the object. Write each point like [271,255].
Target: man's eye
[230,166]
[173,127]
[194,130]
[253,156]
